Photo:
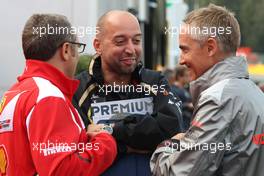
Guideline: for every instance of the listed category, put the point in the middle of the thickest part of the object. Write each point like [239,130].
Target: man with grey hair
[226,133]
[40,130]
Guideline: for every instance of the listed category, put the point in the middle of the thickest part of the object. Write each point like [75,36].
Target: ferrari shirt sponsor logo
[7,115]
[4,123]
[54,150]
[108,110]
[2,103]
[3,160]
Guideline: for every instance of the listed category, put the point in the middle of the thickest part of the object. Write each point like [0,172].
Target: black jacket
[138,131]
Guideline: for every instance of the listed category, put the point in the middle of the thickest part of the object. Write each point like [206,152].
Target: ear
[212,46]
[66,51]
[97,46]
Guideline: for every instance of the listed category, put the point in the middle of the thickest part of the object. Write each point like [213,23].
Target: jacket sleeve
[145,132]
[200,151]
[59,146]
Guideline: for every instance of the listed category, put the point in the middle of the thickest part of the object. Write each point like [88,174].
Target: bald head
[118,43]
[115,18]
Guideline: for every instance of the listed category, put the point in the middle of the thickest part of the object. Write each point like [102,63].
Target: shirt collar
[229,68]
[35,68]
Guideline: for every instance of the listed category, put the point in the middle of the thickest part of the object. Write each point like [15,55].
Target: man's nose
[130,48]
[181,60]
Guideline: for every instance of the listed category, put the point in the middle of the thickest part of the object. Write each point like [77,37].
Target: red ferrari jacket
[42,133]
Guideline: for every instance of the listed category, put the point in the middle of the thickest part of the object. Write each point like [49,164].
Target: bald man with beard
[134,103]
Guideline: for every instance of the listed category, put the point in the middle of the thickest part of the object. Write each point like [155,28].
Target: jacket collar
[229,68]
[44,70]
[95,71]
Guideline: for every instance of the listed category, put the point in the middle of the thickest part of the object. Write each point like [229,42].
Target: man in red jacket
[40,131]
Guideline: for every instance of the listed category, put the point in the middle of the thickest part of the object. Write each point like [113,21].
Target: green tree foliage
[83,63]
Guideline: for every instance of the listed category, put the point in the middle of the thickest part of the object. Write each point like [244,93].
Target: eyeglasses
[80,46]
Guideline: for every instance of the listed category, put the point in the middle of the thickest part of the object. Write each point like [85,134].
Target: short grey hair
[215,17]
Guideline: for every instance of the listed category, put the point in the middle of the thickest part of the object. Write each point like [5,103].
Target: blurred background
[159,20]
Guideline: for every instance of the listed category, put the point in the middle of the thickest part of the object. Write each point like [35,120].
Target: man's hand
[178,136]
[94,129]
